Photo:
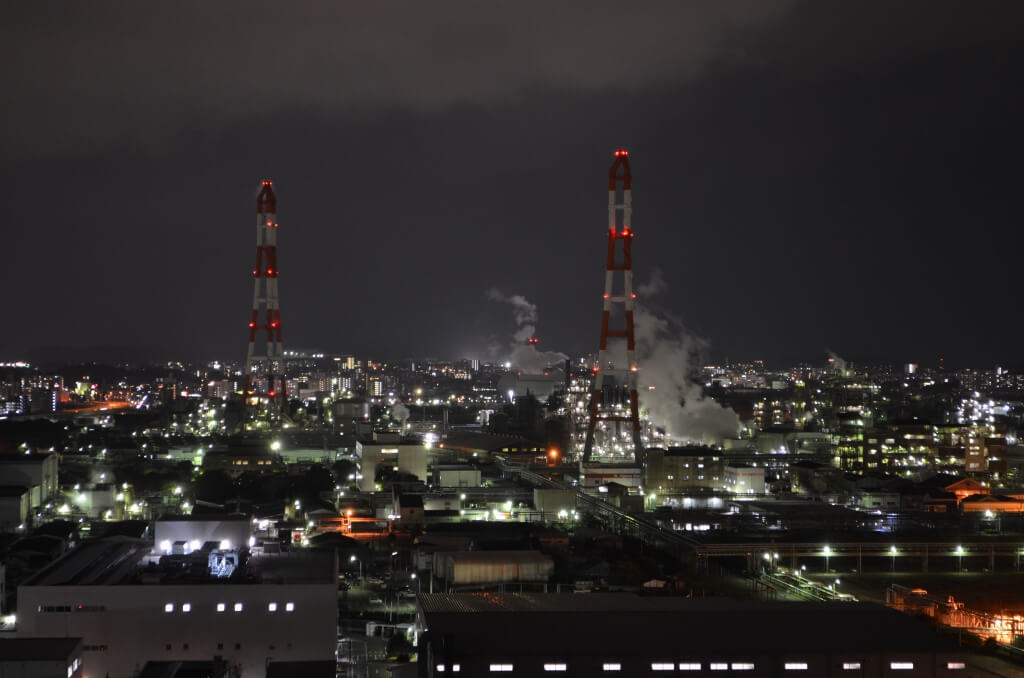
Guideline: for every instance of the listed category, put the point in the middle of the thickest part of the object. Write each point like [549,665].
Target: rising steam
[400,413]
[666,353]
[523,356]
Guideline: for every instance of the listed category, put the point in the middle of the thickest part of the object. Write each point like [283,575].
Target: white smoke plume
[837,363]
[653,286]
[400,413]
[523,356]
[666,352]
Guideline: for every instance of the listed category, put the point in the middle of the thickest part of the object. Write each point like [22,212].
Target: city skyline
[808,177]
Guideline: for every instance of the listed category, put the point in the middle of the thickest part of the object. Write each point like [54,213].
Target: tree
[315,480]
[342,469]
[399,647]
[215,486]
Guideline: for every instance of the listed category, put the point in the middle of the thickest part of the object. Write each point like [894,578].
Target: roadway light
[828,552]
[892,553]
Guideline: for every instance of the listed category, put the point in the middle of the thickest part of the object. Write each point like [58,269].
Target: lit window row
[697,666]
[237,607]
[455,668]
[713,666]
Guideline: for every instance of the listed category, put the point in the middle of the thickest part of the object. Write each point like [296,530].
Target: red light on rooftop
[252,324]
[621,153]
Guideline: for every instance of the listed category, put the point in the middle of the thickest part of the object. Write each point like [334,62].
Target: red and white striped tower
[619,230]
[265,303]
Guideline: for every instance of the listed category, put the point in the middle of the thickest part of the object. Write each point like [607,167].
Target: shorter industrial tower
[608,409]
[264,386]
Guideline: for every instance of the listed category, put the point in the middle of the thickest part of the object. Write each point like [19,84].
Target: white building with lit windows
[132,602]
[481,634]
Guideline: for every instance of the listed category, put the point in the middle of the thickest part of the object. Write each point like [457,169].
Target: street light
[960,555]
[828,552]
[892,553]
[353,559]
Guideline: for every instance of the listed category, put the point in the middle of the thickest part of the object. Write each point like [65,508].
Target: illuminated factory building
[194,593]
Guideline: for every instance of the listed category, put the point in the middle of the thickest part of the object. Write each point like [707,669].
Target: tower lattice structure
[620,213]
[268,367]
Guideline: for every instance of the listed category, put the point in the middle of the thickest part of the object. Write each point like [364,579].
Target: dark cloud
[805,175]
[96,73]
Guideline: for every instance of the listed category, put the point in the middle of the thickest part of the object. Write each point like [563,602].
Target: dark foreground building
[549,635]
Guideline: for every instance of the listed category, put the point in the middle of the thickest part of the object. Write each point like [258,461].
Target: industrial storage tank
[474,568]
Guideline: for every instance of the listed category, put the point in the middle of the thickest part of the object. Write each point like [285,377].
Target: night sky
[807,175]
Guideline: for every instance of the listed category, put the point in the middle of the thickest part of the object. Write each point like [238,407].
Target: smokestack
[620,215]
[265,302]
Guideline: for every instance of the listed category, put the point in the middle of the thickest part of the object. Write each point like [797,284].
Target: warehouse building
[480,634]
[133,601]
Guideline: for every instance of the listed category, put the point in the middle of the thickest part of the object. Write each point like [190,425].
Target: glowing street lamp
[960,556]
[892,553]
[353,559]
[828,552]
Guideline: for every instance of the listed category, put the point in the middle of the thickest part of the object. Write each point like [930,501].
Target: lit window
[498,668]
[901,666]
[456,668]
[555,667]
[851,666]
[719,666]
[221,607]
[796,666]
[238,607]
[186,607]
[271,607]
[956,666]
[742,666]
[440,668]
[169,607]
[691,666]
[612,667]
[289,607]
[662,667]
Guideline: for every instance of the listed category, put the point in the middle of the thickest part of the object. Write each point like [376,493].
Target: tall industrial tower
[620,213]
[269,366]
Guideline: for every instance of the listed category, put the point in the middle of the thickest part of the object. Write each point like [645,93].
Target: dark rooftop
[39,649]
[12,490]
[481,623]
